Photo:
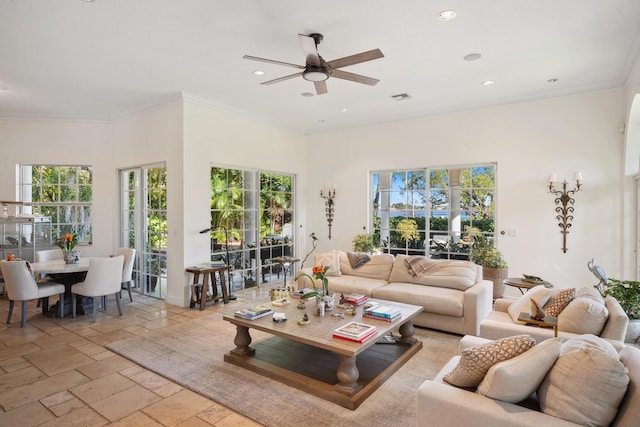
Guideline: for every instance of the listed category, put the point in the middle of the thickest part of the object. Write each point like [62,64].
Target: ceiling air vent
[401,97]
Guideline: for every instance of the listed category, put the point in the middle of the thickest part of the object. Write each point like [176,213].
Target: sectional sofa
[453,294]
[559,382]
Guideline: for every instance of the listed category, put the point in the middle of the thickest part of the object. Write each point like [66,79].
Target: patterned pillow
[331,260]
[476,361]
[558,301]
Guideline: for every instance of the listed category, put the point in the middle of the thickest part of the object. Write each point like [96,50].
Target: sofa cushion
[560,298]
[584,386]
[354,284]
[452,274]
[588,341]
[583,316]
[517,378]
[476,361]
[444,301]
[539,294]
[331,260]
[378,267]
[590,293]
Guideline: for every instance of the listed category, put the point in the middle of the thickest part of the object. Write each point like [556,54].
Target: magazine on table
[355,330]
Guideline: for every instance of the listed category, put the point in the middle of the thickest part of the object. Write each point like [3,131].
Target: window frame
[453,243]
[75,220]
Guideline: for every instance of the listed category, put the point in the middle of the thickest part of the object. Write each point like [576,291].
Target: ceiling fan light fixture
[315,74]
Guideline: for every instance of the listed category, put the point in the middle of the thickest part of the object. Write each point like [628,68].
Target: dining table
[67,274]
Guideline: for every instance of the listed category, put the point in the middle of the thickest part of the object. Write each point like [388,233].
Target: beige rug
[192,355]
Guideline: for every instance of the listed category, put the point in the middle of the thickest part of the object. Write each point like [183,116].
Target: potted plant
[484,253]
[364,243]
[627,292]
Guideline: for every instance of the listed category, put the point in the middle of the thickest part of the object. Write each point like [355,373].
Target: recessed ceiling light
[447,15]
[472,57]
[553,80]
[307,94]
[488,83]
[258,73]
[321,121]
[344,110]
[88,1]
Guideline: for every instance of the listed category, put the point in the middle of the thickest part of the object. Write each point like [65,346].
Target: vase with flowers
[68,243]
[322,294]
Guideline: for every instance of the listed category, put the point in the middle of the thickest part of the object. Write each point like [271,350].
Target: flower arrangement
[317,273]
[68,242]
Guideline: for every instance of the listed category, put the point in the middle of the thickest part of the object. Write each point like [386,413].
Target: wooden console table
[199,291]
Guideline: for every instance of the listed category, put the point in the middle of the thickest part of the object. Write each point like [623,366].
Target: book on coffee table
[256,312]
[355,331]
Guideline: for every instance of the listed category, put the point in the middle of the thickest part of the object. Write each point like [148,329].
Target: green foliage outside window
[63,193]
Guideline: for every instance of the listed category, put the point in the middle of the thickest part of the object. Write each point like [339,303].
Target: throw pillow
[476,361]
[517,378]
[591,293]
[589,341]
[584,386]
[539,294]
[558,301]
[331,260]
[583,316]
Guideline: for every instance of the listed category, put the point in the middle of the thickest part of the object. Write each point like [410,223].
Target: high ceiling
[101,60]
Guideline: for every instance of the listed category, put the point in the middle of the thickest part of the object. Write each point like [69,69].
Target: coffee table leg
[406,333]
[348,375]
[242,341]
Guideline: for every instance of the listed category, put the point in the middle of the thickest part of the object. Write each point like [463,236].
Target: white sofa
[453,296]
[499,323]
[441,404]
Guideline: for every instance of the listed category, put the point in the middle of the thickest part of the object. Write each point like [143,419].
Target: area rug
[191,355]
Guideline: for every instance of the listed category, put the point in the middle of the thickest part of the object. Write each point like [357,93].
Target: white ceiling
[71,59]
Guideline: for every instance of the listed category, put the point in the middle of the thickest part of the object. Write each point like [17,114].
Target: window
[63,193]
[453,199]
[252,220]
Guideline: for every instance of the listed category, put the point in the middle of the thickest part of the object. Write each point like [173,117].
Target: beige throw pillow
[539,294]
[476,361]
[584,386]
[331,260]
[517,378]
[558,301]
[583,316]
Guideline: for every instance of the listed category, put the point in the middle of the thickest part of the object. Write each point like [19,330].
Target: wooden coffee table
[310,359]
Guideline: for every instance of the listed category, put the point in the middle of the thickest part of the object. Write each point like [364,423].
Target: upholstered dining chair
[103,278]
[48,255]
[127,268]
[21,286]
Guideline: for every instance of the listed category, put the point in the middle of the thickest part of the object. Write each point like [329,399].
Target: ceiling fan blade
[281,79]
[271,61]
[321,87]
[339,74]
[356,59]
[310,50]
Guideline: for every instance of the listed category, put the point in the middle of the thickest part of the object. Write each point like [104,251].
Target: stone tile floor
[58,372]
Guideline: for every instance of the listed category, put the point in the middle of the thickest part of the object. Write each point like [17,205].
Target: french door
[143,225]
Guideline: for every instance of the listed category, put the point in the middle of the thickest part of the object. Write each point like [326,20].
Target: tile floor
[58,372]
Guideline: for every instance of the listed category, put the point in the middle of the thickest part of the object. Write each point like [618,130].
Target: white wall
[214,137]
[529,142]
[60,143]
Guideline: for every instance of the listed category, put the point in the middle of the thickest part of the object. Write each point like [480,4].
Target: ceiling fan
[317,70]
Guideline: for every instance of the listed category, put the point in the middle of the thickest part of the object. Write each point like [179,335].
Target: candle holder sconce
[328,197]
[564,204]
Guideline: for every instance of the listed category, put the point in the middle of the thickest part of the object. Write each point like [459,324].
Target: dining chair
[21,286]
[103,278]
[48,255]
[127,268]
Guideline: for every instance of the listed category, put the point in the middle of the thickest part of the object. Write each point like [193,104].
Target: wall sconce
[328,205]
[565,204]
